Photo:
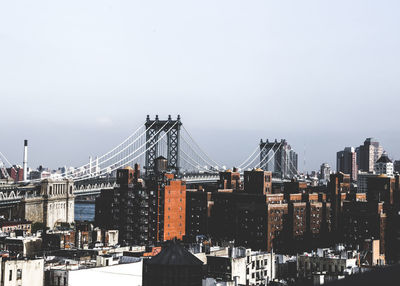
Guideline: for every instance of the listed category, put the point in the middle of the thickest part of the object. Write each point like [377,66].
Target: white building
[119,274]
[384,166]
[241,266]
[260,267]
[325,172]
[327,265]
[22,272]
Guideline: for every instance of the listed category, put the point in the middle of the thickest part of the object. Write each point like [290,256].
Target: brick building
[240,217]
[197,213]
[229,180]
[338,188]
[146,212]
[363,220]
[258,181]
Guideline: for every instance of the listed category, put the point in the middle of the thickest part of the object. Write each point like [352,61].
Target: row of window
[19,275]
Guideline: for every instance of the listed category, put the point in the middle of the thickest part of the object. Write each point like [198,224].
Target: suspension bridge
[168,138]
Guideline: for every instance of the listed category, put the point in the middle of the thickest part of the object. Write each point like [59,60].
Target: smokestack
[25,160]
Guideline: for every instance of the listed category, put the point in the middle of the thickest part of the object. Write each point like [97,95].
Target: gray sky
[77,77]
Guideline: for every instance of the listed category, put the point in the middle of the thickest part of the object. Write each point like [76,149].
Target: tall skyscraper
[368,154]
[346,162]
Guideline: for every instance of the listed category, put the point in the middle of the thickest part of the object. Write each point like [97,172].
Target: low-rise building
[14,226]
[326,265]
[22,272]
[241,266]
[21,246]
[116,274]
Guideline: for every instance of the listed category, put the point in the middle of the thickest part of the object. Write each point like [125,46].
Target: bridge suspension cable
[87,169]
[248,158]
[3,169]
[198,166]
[201,150]
[123,149]
[262,149]
[198,154]
[126,159]
[196,163]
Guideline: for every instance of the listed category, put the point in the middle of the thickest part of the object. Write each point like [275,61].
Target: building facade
[145,211]
[384,166]
[53,205]
[325,172]
[346,162]
[15,272]
[368,154]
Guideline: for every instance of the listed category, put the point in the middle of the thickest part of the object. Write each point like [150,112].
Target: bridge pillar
[154,131]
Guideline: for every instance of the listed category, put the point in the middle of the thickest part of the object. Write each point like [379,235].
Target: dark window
[10,276]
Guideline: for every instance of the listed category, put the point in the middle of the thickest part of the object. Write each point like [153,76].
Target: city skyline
[218,151]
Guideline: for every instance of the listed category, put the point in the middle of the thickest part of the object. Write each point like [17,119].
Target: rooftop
[384,159]
[175,254]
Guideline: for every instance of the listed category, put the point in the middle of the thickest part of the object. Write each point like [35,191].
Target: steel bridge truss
[154,129]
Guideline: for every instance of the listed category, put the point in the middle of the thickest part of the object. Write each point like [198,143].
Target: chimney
[25,163]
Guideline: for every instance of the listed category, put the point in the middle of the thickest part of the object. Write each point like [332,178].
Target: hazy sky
[77,77]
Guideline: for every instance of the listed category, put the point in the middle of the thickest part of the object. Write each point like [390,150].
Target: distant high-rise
[279,158]
[325,172]
[346,162]
[368,154]
[396,166]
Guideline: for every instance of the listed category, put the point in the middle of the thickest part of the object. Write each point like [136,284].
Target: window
[10,276]
[19,273]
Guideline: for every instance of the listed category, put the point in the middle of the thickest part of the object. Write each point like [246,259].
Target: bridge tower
[276,150]
[154,129]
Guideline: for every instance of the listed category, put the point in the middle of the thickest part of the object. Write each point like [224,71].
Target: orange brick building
[174,209]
